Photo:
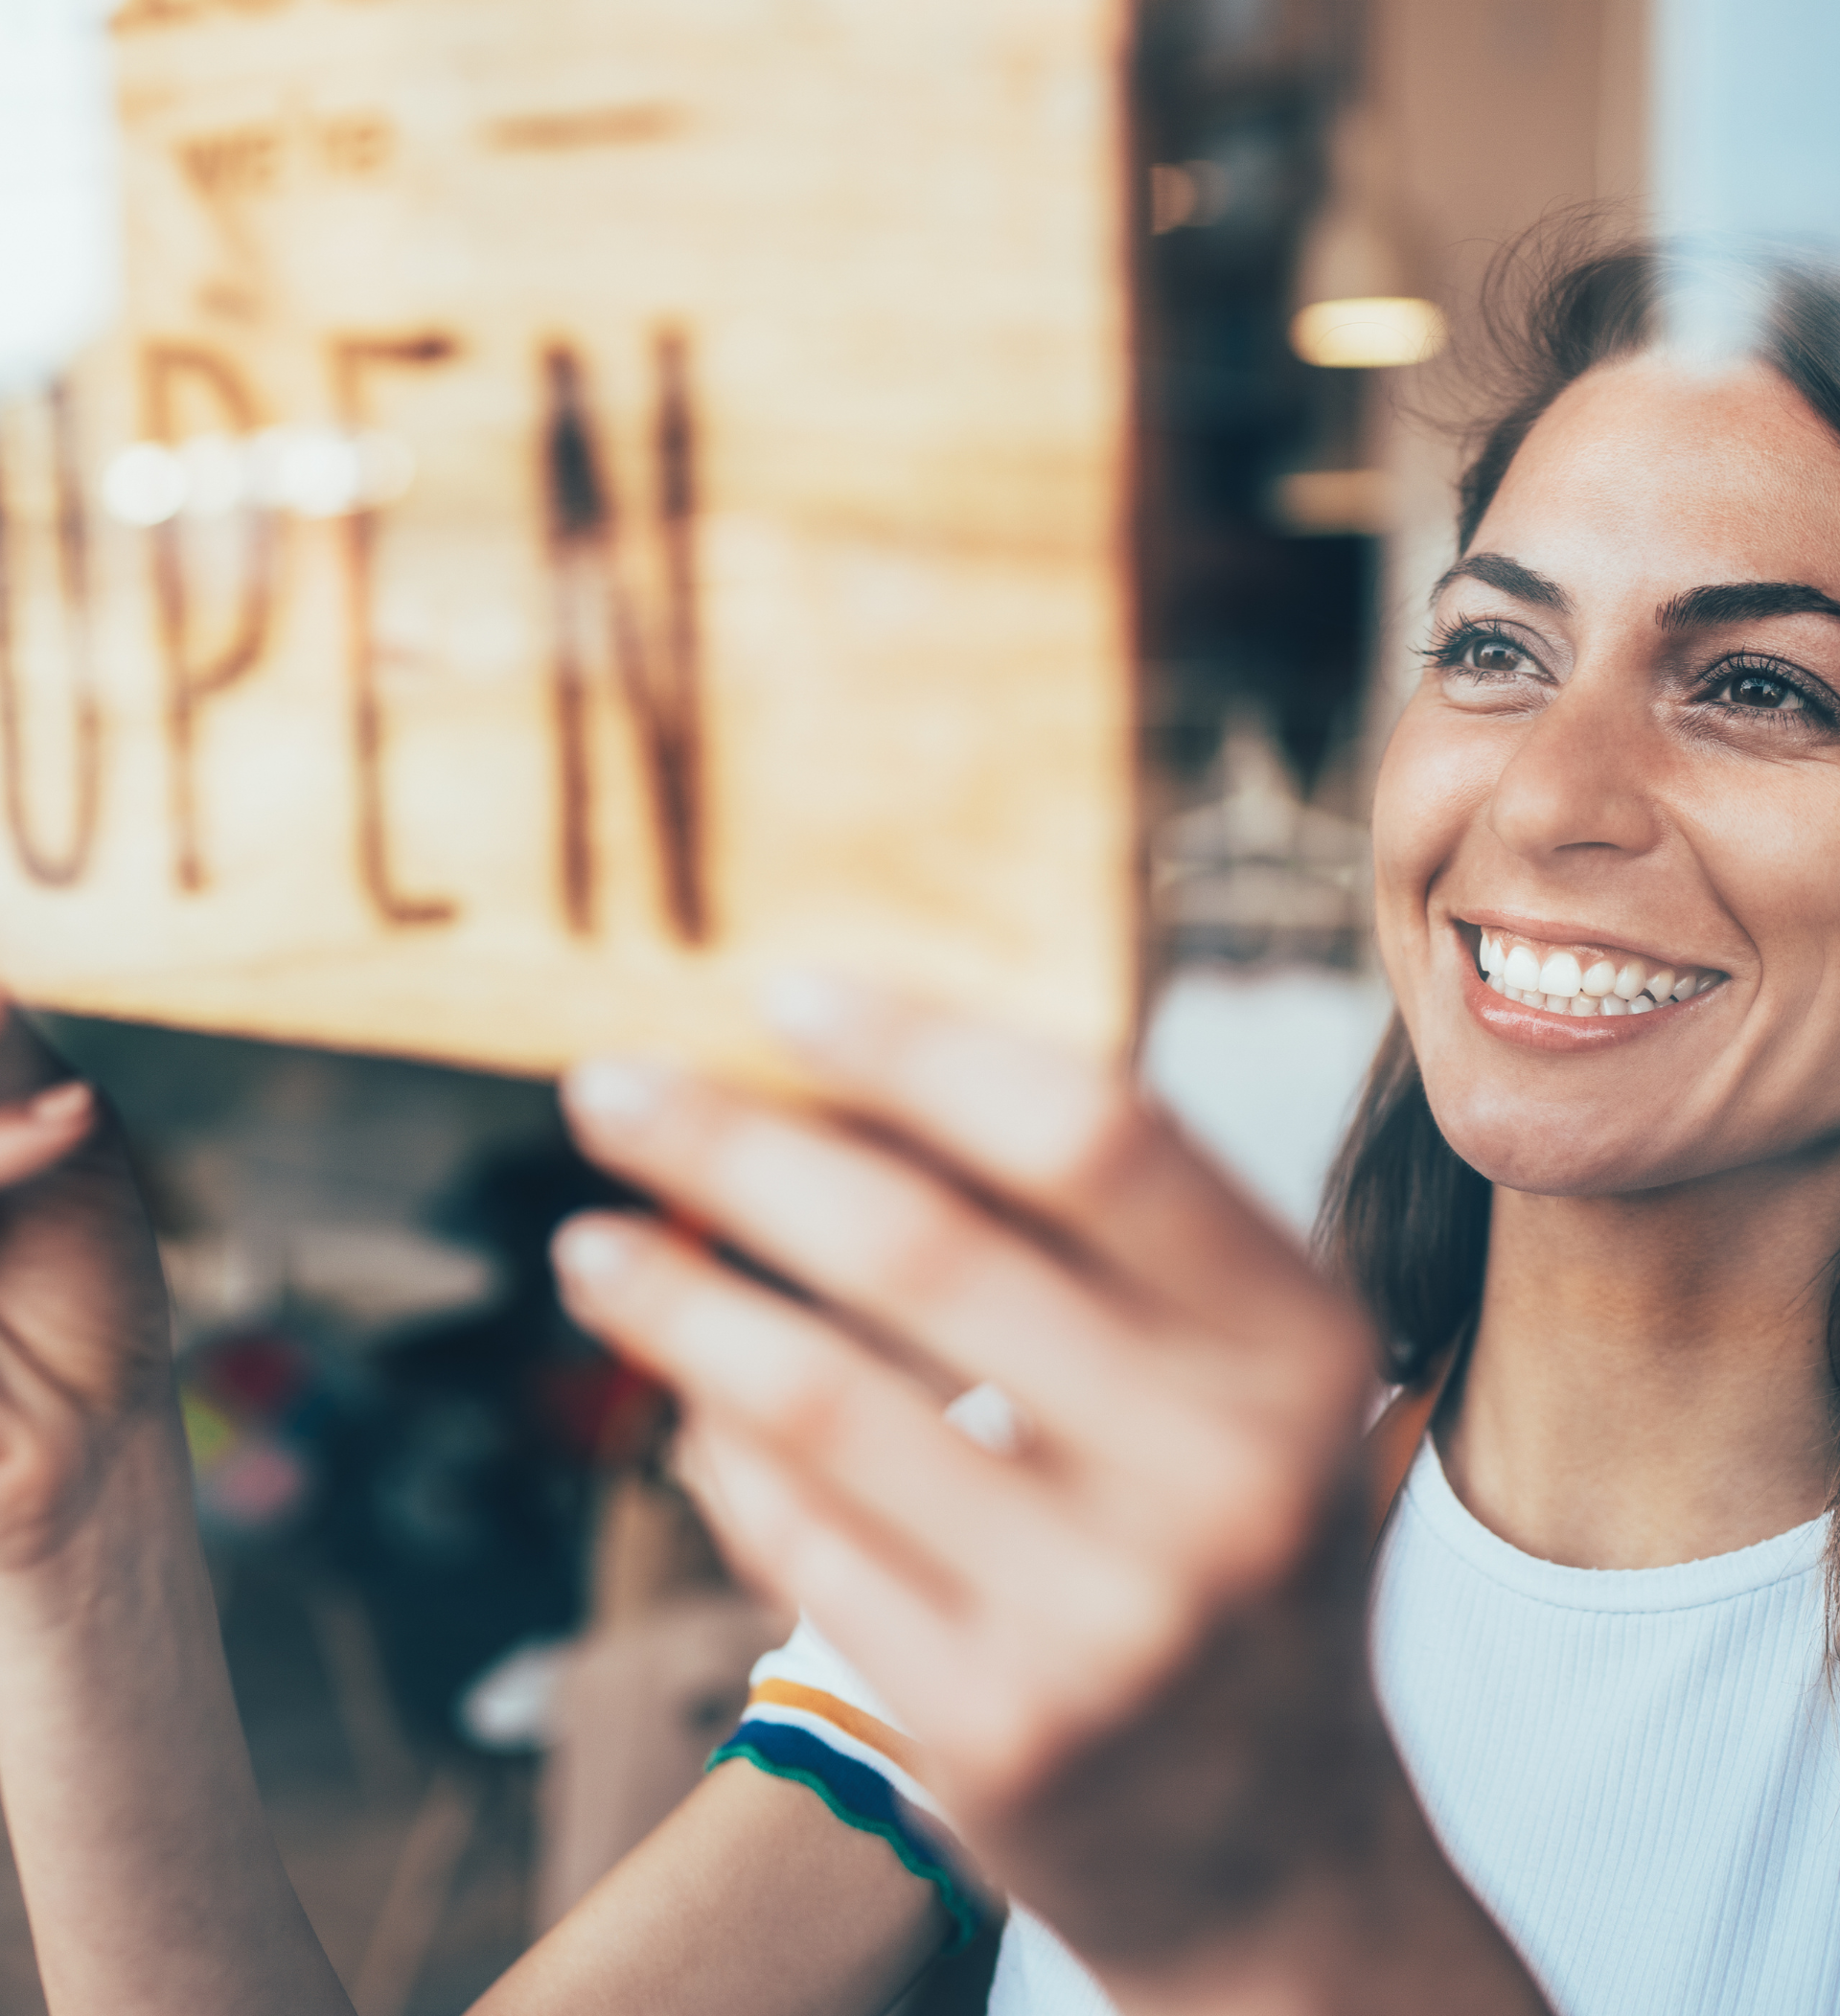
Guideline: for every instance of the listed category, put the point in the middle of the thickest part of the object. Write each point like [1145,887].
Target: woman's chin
[1539,1152]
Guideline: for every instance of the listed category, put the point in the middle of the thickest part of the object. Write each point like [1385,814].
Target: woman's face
[1622,771]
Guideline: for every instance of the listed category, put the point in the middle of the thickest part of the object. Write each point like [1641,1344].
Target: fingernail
[808,1007]
[594,1252]
[61,1103]
[619,1090]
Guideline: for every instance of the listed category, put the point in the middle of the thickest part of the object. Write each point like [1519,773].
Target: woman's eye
[1483,666]
[1493,654]
[1759,690]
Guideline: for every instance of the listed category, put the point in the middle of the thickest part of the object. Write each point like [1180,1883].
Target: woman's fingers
[917,1493]
[36,1134]
[1181,1504]
[1061,1133]
[874,1233]
[886,1237]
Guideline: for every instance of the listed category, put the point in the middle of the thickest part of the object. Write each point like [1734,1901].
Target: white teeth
[1560,975]
[1522,969]
[1562,984]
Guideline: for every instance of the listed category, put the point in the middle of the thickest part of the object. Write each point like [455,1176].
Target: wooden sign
[589,503]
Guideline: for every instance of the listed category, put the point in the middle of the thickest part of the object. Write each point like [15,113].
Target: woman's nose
[1583,775]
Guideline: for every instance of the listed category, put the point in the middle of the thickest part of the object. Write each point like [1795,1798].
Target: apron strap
[1392,1441]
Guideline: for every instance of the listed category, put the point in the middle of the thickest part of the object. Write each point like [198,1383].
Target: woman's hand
[1133,1647]
[84,1328]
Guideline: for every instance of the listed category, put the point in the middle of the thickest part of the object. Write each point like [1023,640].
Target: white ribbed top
[1638,1771]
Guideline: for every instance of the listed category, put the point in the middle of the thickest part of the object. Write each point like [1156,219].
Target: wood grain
[760,596]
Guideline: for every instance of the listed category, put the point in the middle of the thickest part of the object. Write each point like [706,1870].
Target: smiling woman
[1592,1201]
[1593,1192]
[1108,1637]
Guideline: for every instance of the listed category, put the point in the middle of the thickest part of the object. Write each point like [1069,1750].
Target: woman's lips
[1536,1028]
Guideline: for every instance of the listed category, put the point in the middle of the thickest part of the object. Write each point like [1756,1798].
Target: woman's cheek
[1424,800]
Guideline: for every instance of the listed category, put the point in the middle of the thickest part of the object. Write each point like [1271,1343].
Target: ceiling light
[1358,292]
[1369,332]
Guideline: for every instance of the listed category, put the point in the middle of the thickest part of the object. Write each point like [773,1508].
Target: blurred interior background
[479,1643]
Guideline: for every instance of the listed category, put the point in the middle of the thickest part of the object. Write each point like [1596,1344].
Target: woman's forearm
[150,1877]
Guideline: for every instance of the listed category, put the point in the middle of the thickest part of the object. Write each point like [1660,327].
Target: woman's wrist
[150,1877]
[125,1500]
[1391,1931]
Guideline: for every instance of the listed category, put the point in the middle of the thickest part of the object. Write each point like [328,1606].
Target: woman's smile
[1556,987]
[1553,1021]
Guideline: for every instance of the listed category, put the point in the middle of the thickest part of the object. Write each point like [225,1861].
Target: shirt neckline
[1685,1585]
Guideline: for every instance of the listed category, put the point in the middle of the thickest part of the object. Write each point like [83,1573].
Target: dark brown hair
[1405,1220]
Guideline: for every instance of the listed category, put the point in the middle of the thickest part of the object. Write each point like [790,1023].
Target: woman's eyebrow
[1743,601]
[1496,570]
